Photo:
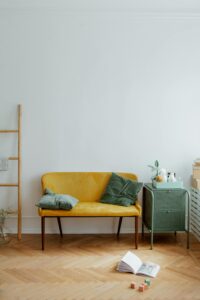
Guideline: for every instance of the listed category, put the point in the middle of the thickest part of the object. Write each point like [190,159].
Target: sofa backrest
[85,186]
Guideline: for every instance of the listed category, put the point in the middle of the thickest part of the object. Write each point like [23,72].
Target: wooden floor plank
[80,267]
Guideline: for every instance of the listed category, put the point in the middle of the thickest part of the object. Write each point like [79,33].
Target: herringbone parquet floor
[83,267]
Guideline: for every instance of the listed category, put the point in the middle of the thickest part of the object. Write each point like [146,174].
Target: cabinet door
[169,210]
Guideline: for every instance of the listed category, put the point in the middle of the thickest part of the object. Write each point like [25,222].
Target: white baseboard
[32,224]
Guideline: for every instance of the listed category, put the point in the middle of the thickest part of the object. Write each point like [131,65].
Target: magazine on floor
[133,264]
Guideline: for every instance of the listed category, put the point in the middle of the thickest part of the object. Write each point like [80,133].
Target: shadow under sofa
[88,188]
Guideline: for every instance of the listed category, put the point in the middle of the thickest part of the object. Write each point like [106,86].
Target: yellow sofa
[87,187]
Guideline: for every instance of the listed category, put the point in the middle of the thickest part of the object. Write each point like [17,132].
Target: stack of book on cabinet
[196,174]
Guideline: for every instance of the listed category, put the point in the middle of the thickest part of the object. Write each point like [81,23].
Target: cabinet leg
[136,232]
[188,221]
[151,240]
[119,226]
[142,230]
[188,239]
[43,230]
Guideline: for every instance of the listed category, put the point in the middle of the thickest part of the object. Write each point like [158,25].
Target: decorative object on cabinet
[167,185]
[18,158]
[165,210]
[160,180]
[155,170]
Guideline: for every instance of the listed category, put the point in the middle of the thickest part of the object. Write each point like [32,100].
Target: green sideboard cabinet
[165,210]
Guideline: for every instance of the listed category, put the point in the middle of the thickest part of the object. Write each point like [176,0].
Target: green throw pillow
[121,191]
[51,200]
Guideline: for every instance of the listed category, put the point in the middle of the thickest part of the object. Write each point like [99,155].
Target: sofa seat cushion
[94,209]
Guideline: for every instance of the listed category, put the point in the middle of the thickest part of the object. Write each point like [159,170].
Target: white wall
[105,86]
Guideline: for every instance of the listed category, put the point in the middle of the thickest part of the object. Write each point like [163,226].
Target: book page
[149,269]
[132,260]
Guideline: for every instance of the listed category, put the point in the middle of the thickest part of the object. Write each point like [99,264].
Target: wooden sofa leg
[60,227]
[119,226]
[43,230]
[136,232]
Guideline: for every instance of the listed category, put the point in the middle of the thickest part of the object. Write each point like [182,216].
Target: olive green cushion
[121,191]
[56,201]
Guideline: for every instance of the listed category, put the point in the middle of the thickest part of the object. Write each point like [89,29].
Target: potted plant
[3,215]
[155,169]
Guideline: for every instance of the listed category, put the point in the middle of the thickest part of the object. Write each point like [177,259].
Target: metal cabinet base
[164,210]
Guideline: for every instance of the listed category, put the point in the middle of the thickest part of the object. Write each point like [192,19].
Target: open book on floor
[133,264]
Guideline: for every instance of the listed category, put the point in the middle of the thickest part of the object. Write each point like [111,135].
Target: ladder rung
[13,158]
[9,131]
[8,184]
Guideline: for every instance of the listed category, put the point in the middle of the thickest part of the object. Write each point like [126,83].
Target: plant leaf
[152,168]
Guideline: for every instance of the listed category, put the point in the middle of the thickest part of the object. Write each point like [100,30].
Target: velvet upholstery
[88,188]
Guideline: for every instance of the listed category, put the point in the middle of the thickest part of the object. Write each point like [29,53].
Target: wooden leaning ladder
[18,184]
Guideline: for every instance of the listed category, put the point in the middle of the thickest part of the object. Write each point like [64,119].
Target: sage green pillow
[51,200]
[121,191]
[48,202]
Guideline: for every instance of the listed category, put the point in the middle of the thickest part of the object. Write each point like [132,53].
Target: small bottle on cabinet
[171,177]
